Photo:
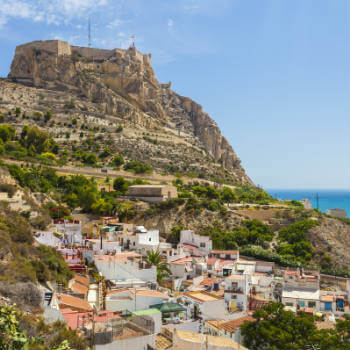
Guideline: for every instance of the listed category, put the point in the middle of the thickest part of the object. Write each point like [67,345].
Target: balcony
[234,290]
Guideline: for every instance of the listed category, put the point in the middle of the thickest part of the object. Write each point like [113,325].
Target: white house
[133,299]
[237,289]
[125,269]
[203,304]
[182,268]
[300,298]
[203,243]
[47,238]
[70,228]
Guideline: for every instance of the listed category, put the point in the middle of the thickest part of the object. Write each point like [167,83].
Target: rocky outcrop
[123,83]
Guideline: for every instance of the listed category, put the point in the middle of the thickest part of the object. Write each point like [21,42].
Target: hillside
[114,97]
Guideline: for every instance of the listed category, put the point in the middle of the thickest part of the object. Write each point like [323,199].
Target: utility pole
[317,201]
[89,32]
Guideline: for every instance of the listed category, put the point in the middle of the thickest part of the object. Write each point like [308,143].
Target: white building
[133,299]
[182,268]
[125,269]
[237,289]
[307,203]
[206,305]
[47,238]
[299,298]
[70,228]
[203,243]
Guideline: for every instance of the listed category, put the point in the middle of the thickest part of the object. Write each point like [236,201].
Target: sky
[273,74]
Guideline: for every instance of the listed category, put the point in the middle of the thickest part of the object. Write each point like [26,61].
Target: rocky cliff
[123,84]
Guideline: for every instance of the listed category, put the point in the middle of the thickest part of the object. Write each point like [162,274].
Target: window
[149,239]
[202,245]
[312,304]
[289,304]
[234,296]
[133,243]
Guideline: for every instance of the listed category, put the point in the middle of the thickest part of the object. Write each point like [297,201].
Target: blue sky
[274,74]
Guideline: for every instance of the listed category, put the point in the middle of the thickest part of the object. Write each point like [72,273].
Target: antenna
[132,44]
[89,31]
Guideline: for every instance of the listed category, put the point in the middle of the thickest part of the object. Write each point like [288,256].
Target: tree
[11,338]
[154,258]
[275,328]
[7,132]
[121,185]
[228,196]
[118,161]
[47,116]
[17,111]
[174,236]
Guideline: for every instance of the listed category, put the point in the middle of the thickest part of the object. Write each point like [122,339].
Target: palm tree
[154,258]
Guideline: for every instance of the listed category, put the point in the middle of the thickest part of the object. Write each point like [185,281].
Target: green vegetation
[26,262]
[154,258]
[15,327]
[275,328]
[251,232]
[293,241]
[138,167]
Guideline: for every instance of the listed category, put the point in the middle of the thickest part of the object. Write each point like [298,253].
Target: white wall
[47,238]
[189,237]
[125,270]
[134,343]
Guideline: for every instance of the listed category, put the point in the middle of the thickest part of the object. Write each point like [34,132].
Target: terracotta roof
[237,277]
[190,246]
[117,257]
[211,261]
[202,296]
[82,280]
[150,293]
[231,326]
[79,288]
[77,303]
[182,261]
[291,272]
[209,281]
[260,274]
[215,323]
[75,319]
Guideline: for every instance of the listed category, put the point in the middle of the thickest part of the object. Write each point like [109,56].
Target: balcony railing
[234,290]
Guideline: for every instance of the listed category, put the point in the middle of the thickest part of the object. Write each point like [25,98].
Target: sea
[327,199]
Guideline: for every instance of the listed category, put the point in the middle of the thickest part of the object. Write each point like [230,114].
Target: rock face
[123,83]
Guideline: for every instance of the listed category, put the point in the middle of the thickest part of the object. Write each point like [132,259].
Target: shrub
[138,167]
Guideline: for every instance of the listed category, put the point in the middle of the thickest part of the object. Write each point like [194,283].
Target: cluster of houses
[210,293]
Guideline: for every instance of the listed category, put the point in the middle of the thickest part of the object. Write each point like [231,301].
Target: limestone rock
[123,83]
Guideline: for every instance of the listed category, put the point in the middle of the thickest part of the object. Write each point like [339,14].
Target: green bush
[138,167]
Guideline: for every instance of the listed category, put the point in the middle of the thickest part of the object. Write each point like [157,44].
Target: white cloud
[49,11]
[170,23]
[116,23]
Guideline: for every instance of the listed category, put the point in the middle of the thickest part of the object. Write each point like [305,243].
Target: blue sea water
[327,199]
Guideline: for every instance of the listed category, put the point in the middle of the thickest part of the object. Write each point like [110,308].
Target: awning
[168,307]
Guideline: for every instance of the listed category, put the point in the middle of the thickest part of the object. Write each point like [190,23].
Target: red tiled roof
[79,288]
[150,293]
[209,281]
[71,301]
[291,272]
[82,280]
[230,326]
[75,319]
[211,261]
[189,246]
[182,261]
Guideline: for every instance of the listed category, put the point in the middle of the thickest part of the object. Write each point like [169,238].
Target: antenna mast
[89,30]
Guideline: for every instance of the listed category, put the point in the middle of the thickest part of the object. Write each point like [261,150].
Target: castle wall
[92,53]
[57,47]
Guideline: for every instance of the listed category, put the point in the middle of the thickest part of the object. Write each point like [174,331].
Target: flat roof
[308,294]
[146,312]
[202,296]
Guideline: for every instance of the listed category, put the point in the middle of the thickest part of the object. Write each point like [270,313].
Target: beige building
[152,193]
[184,340]
[340,213]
